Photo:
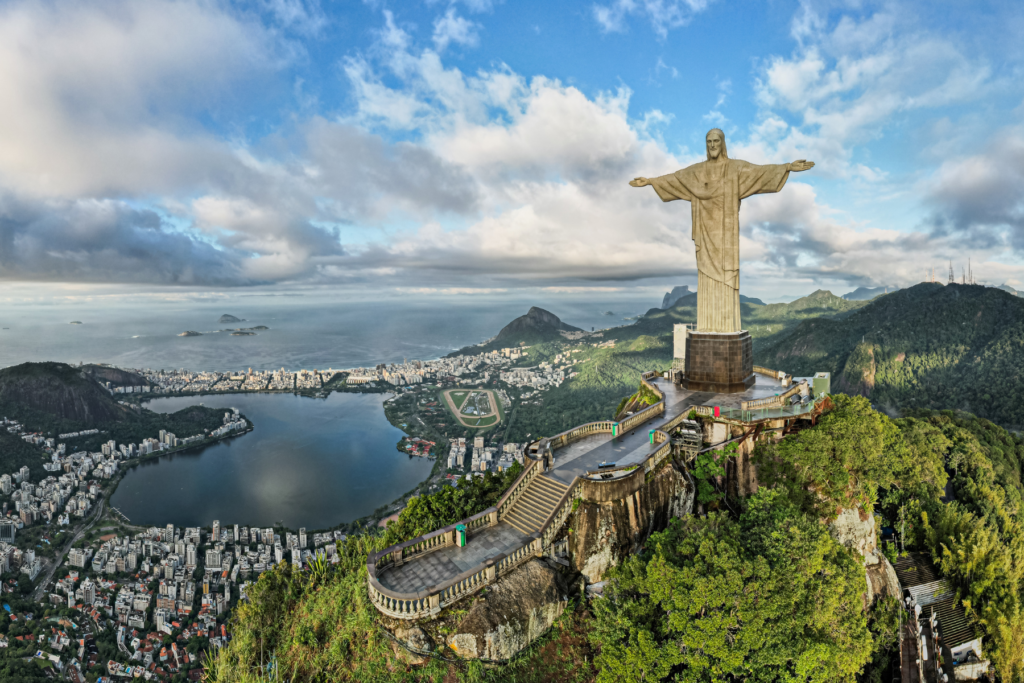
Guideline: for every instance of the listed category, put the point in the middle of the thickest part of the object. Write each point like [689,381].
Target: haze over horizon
[208,149]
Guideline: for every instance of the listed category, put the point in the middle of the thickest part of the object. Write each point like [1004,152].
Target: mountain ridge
[927,346]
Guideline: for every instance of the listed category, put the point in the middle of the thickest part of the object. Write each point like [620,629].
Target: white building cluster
[188,381]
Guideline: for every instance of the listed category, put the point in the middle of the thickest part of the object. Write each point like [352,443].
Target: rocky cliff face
[603,534]
[855,529]
[512,613]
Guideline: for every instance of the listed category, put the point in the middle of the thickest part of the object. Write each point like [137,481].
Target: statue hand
[639,182]
[801,165]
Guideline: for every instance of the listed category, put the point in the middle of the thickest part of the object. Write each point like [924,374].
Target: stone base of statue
[722,362]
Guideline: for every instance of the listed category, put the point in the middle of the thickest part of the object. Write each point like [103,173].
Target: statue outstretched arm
[801,165]
[669,187]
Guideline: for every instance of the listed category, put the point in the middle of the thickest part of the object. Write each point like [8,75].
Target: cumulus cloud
[95,104]
[663,15]
[485,180]
[97,97]
[451,28]
[978,198]
[848,80]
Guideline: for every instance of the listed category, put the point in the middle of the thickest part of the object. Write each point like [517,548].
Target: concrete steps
[535,504]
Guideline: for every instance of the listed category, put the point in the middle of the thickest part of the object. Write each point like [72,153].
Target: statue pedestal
[722,362]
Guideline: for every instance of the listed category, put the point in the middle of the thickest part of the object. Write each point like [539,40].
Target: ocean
[304,332]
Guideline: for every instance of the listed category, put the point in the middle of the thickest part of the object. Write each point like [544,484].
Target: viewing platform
[420,577]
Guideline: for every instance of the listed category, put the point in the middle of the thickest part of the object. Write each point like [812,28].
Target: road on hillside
[59,559]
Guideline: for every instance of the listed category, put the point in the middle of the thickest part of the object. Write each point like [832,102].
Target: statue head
[716,144]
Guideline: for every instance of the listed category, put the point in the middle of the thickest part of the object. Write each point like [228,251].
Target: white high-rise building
[5,484]
[302,537]
[216,531]
[88,592]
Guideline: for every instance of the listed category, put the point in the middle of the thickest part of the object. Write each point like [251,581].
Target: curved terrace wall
[589,487]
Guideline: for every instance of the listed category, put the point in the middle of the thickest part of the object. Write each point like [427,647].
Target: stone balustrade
[432,600]
[773,401]
[774,374]
[532,469]
[648,413]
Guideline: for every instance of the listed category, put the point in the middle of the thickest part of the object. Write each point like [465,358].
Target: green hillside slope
[55,398]
[760,320]
[929,346]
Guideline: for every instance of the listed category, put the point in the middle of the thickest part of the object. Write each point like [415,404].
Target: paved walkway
[441,565]
[633,448]
[572,461]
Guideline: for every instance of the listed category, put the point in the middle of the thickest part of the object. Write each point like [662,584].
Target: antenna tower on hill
[951,278]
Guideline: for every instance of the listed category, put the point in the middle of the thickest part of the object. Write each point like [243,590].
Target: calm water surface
[310,463]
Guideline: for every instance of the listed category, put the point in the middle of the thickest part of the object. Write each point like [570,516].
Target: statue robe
[714,190]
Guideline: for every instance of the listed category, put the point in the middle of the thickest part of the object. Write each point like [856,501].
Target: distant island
[190,333]
[246,330]
[76,322]
[607,313]
[243,333]
[226,318]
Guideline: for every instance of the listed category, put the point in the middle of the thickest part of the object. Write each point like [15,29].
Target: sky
[484,147]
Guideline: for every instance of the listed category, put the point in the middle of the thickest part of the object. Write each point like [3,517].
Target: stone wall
[604,533]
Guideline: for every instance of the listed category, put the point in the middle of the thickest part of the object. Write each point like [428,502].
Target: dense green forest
[929,346]
[761,321]
[16,453]
[756,589]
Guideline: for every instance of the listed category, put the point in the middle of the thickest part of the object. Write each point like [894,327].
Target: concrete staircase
[535,504]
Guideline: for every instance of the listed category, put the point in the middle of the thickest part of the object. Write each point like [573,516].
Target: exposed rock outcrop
[511,614]
[603,534]
[416,644]
[882,581]
[855,528]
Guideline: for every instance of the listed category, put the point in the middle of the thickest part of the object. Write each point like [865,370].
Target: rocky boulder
[506,617]
[411,644]
[855,528]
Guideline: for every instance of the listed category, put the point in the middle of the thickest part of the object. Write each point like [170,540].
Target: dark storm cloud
[979,199]
[105,241]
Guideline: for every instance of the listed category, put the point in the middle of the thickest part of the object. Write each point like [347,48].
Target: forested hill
[929,346]
[536,327]
[57,390]
[57,398]
[761,320]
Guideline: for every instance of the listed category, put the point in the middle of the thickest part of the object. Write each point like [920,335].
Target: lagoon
[311,463]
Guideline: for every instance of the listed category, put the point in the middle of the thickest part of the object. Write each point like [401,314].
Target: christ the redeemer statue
[714,189]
